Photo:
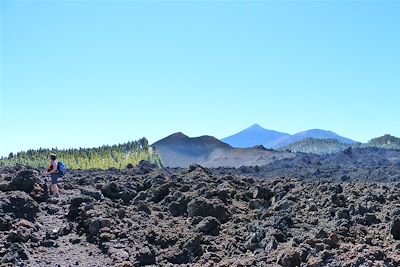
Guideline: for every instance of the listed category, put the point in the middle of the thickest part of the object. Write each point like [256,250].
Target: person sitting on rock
[52,170]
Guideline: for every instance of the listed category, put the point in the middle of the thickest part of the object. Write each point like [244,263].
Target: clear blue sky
[83,74]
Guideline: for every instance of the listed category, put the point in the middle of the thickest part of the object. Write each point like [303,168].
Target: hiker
[53,172]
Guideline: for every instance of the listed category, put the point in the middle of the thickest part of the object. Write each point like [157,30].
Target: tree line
[104,157]
[326,146]
[387,141]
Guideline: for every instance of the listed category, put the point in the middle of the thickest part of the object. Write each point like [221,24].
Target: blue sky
[83,74]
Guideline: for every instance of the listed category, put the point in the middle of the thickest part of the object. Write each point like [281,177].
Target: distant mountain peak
[253,136]
[178,135]
[257,135]
[256,126]
[316,130]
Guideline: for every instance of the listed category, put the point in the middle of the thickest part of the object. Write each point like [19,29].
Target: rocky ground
[196,217]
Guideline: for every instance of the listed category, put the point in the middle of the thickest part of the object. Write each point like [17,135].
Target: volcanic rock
[18,205]
[208,217]
[203,208]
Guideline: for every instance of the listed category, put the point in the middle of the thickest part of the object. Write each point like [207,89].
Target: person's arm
[47,172]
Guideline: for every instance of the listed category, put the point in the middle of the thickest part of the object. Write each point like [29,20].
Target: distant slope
[327,146]
[179,150]
[316,146]
[387,141]
[253,136]
[257,135]
[314,133]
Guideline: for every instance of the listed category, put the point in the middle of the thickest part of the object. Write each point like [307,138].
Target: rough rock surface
[143,216]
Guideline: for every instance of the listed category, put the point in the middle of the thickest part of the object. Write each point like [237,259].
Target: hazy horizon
[153,141]
[83,74]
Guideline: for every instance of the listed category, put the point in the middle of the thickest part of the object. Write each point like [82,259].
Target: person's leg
[56,191]
[54,187]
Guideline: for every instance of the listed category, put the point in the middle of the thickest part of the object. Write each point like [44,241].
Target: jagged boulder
[29,181]
[145,256]
[292,257]
[18,205]
[111,190]
[115,191]
[260,192]
[25,180]
[209,225]
[187,252]
[203,207]
[92,193]
[146,167]
[76,202]
[395,228]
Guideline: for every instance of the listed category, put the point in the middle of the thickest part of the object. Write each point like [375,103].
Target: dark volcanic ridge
[144,216]
[353,164]
[179,150]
